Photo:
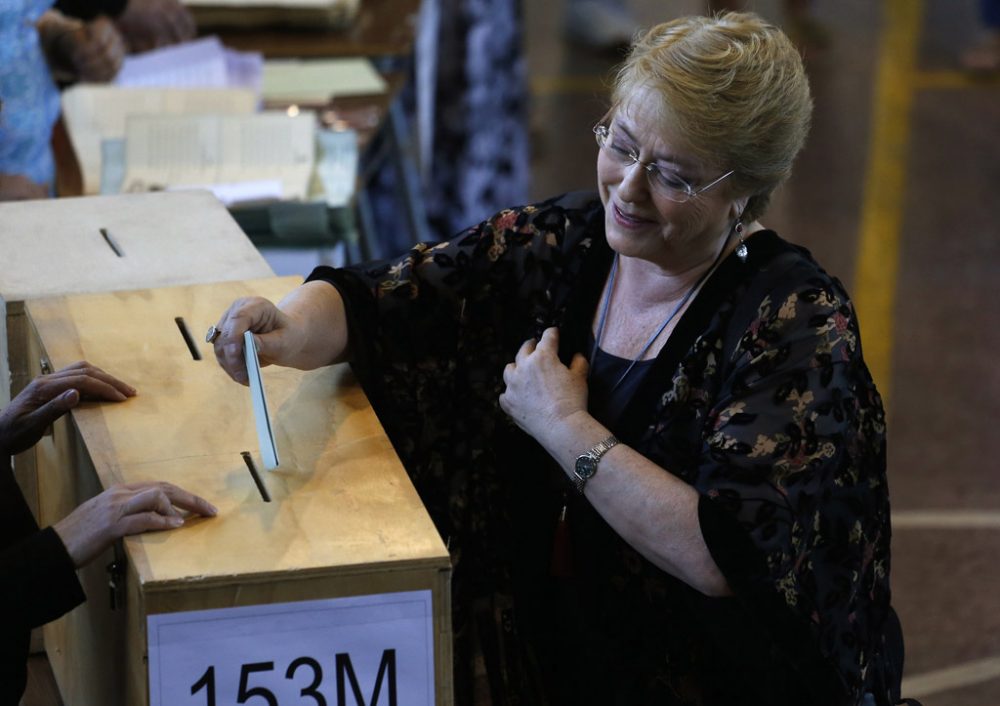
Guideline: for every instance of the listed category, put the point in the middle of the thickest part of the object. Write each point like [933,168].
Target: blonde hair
[734,87]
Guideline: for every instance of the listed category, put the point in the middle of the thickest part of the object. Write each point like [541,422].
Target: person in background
[38,581]
[641,420]
[472,110]
[143,24]
[41,47]
[984,55]
[36,41]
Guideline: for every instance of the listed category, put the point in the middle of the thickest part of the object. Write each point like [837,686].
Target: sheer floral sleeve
[795,453]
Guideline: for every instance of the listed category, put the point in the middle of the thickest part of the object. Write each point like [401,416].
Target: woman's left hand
[541,391]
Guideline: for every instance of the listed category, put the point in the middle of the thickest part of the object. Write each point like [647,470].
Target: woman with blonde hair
[641,419]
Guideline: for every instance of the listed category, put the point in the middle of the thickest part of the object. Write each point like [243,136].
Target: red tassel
[561,565]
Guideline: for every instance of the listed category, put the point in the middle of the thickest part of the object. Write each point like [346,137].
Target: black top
[608,392]
[38,583]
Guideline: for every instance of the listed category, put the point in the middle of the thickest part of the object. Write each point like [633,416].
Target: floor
[894,194]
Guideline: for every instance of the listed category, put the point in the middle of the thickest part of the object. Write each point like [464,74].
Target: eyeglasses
[664,182]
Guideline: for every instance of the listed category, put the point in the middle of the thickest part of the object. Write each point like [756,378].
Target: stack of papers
[249,157]
[186,116]
[96,114]
[203,63]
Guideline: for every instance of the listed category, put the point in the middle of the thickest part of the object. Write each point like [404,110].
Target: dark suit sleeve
[89,9]
[38,582]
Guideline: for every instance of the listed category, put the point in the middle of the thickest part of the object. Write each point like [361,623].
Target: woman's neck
[646,283]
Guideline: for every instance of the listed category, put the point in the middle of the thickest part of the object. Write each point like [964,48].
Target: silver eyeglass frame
[601,134]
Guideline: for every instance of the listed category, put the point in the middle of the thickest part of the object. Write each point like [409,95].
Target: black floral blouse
[760,400]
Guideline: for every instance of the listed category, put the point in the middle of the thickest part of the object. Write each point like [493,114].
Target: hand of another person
[540,389]
[89,51]
[48,397]
[271,331]
[148,24]
[18,187]
[123,510]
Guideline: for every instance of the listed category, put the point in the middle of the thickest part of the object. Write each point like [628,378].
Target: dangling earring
[741,250]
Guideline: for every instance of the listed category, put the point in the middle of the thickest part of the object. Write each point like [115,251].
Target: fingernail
[175,521]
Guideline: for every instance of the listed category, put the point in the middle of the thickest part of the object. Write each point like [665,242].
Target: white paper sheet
[379,644]
[198,63]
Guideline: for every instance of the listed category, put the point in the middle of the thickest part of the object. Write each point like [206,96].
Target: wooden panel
[85,647]
[18,369]
[344,518]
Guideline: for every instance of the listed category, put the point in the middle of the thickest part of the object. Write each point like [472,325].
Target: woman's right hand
[272,330]
[307,329]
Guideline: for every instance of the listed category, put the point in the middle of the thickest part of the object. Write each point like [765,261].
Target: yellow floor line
[962,675]
[946,519]
[877,266]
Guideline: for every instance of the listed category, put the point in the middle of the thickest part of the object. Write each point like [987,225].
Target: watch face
[586,466]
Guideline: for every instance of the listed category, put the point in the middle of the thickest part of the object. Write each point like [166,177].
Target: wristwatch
[586,464]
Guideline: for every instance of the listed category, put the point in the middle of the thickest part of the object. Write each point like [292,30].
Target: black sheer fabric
[760,400]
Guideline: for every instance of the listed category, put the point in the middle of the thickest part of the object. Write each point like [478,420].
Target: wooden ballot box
[335,590]
[107,243]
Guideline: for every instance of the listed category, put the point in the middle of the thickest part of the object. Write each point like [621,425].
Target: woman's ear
[737,207]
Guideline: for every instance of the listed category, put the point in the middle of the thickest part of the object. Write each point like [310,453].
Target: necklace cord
[605,305]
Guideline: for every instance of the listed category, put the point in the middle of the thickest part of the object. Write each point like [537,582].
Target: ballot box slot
[255,474]
[186,335]
[112,243]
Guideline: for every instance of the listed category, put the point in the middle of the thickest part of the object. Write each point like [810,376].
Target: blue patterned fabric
[29,95]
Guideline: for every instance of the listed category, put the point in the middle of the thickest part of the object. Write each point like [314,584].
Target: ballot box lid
[129,241]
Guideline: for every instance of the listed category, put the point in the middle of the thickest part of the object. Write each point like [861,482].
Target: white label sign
[373,650]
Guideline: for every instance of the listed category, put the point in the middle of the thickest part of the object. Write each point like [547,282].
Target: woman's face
[640,221]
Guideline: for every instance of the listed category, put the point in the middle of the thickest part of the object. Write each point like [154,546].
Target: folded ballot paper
[186,116]
[265,434]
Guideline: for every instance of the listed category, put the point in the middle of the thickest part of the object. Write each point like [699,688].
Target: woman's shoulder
[573,212]
[789,299]
[780,269]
